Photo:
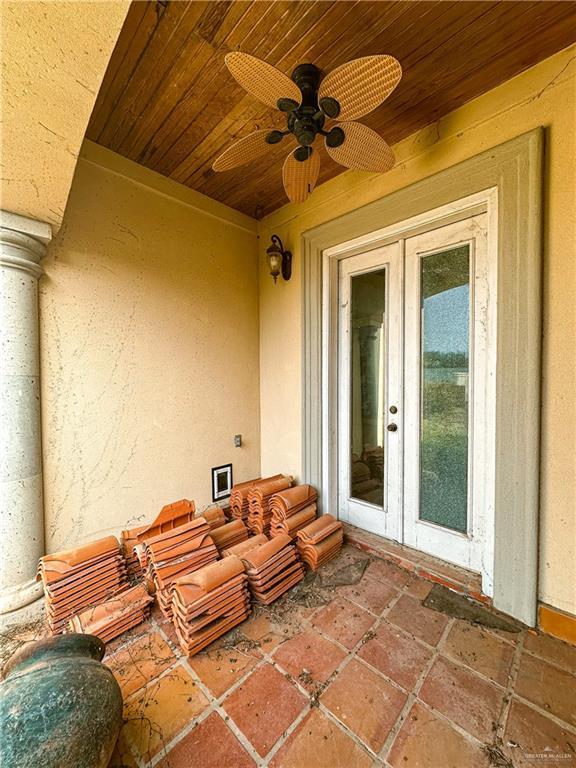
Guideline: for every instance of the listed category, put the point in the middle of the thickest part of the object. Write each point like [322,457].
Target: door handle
[392,427]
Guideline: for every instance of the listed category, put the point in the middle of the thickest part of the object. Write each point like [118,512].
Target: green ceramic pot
[59,706]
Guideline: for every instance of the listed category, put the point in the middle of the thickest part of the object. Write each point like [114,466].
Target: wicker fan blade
[359,86]
[362,149]
[300,177]
[262,79]
[242,151]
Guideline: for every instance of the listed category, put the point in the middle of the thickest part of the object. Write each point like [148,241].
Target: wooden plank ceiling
[169,103]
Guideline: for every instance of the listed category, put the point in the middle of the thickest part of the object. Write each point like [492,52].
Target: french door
[414,372]
[370,354]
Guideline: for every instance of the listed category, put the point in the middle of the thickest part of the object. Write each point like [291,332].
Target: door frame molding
[506,182]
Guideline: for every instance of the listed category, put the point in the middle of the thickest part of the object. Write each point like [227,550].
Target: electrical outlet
[237,441]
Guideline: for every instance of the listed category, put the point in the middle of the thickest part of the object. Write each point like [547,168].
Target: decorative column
[22,246]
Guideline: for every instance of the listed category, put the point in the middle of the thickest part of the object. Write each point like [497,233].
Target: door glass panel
[367,386]
[445,323]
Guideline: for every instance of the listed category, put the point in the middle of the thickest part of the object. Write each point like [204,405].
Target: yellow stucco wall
[544,95]
[149,349]
[54,56]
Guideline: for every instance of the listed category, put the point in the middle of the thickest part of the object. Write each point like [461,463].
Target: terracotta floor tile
[555,651]
[269,642]
[365,703]
[508,637]
[343,621]
[537,734]
[319,743]
[210,745]
[220,668]
[421,622]
[256,627]
[552,689]
[309,658]
[161,710]
[381,569]
[122,756]
[399,657]
[464,698]
[427,741]
[128,637]
[141,661]
[419,588]
[372,594]
[264,706]
[168,629]
[259,628]
[479,650]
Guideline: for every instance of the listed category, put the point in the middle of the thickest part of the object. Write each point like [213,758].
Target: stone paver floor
[346,677]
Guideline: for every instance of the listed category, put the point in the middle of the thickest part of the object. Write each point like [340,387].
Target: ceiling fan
[350,91]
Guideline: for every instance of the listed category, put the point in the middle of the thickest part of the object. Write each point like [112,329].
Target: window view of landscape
[445,322]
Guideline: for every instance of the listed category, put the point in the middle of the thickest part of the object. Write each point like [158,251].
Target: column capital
[23,242]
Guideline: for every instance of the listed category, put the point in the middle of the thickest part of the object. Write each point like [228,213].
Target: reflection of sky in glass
[446,326]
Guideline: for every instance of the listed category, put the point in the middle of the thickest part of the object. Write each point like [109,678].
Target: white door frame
[478,203]
[515,168]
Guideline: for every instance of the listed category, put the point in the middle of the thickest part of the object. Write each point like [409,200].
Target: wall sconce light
[279,260]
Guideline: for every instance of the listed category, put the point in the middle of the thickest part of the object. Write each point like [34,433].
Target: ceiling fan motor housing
[306,120]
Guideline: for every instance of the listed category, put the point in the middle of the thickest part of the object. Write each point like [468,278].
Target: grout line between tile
[512,680]
[165,746]
[546,713]
[239,734]
[168,746]
[441,716]
[277,746]
[412,696]
[549,661]
[286,735]
[512,693]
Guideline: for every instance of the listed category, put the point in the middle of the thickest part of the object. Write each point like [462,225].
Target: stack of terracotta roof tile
[114,616]
[228,535]
[170,516]
[320,541]
[292,510]
[239,499]
[215,517]
[78,578]
[209,602]
[176,553]
[245,546]
[260,514]
[273,568]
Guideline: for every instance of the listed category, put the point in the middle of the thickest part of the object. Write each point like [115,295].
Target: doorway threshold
[425,566]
